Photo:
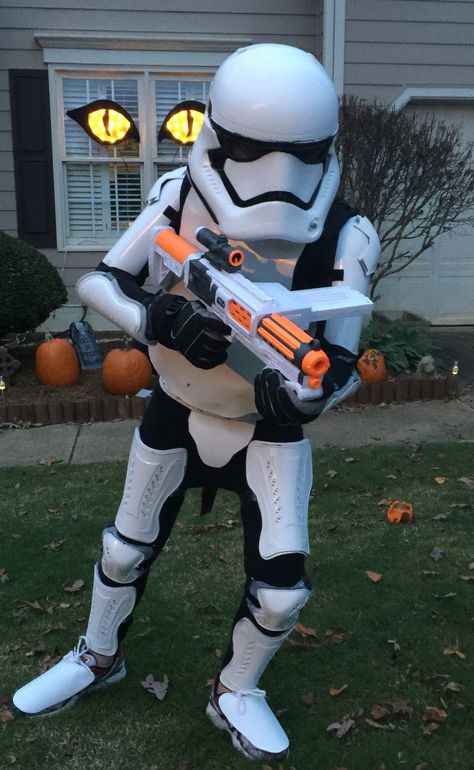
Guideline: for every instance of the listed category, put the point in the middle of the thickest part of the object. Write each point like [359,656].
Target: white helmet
[264,163]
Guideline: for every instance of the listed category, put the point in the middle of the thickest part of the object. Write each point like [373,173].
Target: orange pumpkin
[371,366]
[126,371]
[400,512]
[56,363]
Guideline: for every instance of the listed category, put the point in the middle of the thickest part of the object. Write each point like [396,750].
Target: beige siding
[392,45]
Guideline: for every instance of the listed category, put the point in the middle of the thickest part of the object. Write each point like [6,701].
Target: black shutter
[31,130]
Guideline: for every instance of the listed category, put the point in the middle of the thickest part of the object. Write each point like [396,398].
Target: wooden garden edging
[107,408]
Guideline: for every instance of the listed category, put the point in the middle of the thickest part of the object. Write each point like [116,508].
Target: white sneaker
[246,716]
[61,686]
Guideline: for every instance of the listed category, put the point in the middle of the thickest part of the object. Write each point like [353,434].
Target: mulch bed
[29,403]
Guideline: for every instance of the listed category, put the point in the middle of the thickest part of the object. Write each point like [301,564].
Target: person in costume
[264,172]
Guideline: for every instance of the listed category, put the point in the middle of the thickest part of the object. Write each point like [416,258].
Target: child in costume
[264,172]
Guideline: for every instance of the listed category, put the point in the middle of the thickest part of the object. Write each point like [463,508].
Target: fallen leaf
[54,545]
[341,728]
[6,716]
[454,651]
[466,578]
[48,461]
[3,576]
[440,479]
[335,691]
[401,707]
[436,553]
[396,649]
[467,481]
[442,516]
[385,501]
[379,712]
[305,630]
[374,576]
[434,714]
[308,699]
[387,726]
[429,727]
[331,474]
[471,566]
[422,766]
[349,459]
[453,687]
[158,689]
[337,635]
[11,759]
[76,586]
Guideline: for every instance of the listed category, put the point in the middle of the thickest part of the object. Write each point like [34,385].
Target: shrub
[402,344]
[30,287]
[412,177]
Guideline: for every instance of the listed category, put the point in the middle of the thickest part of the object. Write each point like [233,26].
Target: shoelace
[241,694]
[81,649]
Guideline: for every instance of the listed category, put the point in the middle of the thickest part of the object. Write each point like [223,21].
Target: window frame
[147,158]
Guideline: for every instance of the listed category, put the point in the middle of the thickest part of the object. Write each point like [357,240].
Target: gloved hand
[275,402]
[188,327]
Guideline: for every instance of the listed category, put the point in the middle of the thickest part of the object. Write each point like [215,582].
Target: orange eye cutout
[183,123]
[106,122]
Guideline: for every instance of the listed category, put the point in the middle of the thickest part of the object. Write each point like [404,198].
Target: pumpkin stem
[126,343]
[48,337]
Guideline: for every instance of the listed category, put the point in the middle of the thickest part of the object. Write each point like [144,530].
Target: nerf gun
[267,318]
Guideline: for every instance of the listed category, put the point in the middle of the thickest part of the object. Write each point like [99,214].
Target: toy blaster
[267,318]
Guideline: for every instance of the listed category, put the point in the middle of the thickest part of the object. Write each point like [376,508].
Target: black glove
[281,406]
[275,402]
[188,327]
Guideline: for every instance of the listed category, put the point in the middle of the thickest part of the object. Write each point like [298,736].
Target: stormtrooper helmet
[264,163]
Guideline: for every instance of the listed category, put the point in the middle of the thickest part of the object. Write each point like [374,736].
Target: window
[101,189]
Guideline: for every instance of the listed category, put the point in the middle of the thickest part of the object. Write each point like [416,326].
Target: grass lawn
[375,655]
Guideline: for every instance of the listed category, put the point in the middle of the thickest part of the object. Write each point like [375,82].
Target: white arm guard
[101,292]
[358,250]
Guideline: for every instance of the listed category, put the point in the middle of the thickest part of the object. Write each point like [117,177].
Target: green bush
[30,287]
[402,344]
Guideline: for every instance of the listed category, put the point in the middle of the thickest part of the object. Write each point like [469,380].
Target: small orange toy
[400,512]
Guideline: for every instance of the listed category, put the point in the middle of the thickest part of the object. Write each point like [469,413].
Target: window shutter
[31,129]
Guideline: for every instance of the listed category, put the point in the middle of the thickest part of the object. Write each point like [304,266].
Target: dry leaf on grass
[158,689]
[308,699]
[454,651]
[374,577]
[467,481]
[466,578]
[335,691]
[379,725]
[3,575]
[76,586]
[6,716]
[440,479]
[379,712]
[54,545]
[436,553]
[305,630]
[341,728]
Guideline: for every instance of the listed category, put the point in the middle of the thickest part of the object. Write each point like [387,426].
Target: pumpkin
[56,363]
[126,371]
[371,366]
[400,512]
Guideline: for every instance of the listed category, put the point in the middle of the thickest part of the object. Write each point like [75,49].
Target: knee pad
[280,476]
[152,476]
[123,561]
[277,609]
[110,606]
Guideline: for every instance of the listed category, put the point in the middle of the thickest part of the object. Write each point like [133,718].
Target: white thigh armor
[110,606]
[280,476]
[152,476]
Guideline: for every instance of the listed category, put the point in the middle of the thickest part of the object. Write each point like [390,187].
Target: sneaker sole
[239,742]
[114,678]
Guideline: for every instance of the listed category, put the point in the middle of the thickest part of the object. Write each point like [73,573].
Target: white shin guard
[252,651]
[152,476]
[110,607]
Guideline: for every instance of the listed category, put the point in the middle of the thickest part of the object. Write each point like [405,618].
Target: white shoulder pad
[166,186]
[358,243]
[357,254]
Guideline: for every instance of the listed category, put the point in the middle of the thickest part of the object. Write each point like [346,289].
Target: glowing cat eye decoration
[183,123]
[105,121]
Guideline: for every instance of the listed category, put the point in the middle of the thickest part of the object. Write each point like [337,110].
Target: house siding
[390,45]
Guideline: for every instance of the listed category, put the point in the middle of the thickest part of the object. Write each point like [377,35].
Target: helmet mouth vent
[243,149]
